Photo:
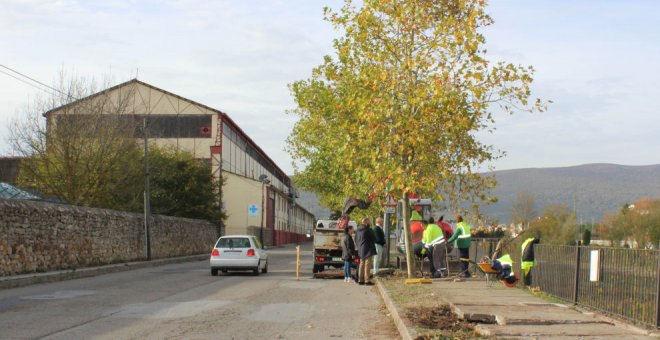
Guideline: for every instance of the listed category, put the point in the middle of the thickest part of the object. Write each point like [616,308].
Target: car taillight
[250,252]
[319,259]
[215,253]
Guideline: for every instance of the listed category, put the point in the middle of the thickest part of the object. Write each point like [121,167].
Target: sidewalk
[501,311]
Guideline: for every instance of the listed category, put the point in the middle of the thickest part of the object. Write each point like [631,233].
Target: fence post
[657,291]
[576,282]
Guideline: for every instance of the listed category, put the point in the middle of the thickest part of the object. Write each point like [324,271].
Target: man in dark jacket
[366,247]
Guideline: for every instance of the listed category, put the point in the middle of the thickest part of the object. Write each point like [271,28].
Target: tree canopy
[398,108]
[183,186]
[82,154]
[556,225]
[637,224]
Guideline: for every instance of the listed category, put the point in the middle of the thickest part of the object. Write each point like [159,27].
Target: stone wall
[40,237]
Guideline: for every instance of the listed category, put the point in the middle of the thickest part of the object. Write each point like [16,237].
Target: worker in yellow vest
[528,261]
[504,265]
[435,244]
[463,239]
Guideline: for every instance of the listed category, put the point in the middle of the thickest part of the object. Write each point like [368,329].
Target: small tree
[586,236]
[522,209]
[556,225]
[183,186]
[80,152]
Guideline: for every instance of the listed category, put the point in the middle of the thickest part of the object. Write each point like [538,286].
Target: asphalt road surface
[183,301]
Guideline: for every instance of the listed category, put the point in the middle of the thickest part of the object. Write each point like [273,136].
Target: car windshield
[233,242]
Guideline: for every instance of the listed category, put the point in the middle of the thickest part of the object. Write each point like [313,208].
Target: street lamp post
[147,192]
[292,209]
[264,180]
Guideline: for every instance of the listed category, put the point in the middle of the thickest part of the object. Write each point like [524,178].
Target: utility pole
[264,180]
[147,192]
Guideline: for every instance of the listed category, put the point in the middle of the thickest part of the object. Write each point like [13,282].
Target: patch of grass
[403,294]
[426,311]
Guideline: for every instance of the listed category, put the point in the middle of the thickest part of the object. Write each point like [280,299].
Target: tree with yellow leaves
[397,109]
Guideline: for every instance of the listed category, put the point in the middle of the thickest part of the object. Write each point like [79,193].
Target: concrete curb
[16,281]
[408,333]
[405,332]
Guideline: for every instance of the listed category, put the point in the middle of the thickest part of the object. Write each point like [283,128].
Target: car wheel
[255,271]
[214,272]
[264,270]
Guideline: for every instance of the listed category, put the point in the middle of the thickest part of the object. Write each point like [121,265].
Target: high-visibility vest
[433,235]
[526,266]
[465,228]
[506,259]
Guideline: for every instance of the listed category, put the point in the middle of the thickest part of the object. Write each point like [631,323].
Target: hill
[592,189]
[310,201]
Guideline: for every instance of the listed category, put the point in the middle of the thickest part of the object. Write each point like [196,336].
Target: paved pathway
[518,314]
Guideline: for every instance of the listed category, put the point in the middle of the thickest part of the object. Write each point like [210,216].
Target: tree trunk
[410,258]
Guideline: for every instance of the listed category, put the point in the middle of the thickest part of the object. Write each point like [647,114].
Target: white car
[238,252]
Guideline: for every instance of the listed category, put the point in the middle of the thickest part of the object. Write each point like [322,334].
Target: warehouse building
[253,180]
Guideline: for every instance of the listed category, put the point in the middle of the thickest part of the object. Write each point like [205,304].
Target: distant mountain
[592,189]
[310,201]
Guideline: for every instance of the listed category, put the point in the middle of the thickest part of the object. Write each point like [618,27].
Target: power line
[25,82]
[33,80]
[48,89]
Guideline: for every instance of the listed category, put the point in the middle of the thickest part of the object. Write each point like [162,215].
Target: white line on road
[63,294]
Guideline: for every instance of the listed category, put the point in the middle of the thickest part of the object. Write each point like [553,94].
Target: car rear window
[233,242]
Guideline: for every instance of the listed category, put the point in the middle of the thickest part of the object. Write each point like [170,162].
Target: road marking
[62,294]
[167,310]
[303,285]
[282,312]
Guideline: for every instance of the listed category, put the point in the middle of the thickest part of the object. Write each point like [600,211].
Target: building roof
[225,117]
[9,191]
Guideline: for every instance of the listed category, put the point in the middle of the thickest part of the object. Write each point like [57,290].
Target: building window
[175,126]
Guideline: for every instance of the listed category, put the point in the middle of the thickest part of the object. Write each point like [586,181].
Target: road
[182,301]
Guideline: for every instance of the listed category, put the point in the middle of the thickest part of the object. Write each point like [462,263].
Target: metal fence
[627,281]
[618,281]
[482,247]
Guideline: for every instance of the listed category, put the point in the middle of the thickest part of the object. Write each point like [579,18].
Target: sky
[598,61]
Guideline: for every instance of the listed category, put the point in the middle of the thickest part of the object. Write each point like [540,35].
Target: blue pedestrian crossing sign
[253,210]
